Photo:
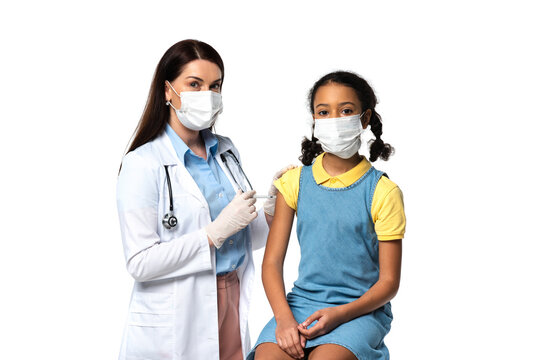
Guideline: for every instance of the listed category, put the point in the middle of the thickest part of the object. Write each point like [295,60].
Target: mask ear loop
[360,121]
[168,103]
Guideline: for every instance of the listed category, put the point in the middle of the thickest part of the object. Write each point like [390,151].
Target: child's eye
[347,111]
[323,112]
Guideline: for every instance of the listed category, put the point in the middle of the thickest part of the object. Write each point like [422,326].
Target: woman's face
[198,75]
[335,100]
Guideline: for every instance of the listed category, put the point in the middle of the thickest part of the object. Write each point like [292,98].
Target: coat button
[231,242]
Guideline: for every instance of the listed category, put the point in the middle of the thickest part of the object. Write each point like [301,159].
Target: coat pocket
[150,328]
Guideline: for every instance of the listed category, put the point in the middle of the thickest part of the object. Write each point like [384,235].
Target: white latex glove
[234,217]
[269,205]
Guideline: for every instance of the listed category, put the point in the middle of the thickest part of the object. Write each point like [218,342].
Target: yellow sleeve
[388,210]
[288,186]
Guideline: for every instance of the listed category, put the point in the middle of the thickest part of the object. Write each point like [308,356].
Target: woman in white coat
[187,219]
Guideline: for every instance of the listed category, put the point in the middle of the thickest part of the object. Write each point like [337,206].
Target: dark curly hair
[310,149]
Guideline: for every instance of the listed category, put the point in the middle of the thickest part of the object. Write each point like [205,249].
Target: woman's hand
[289,338]
[269,205]
[328,319]
[234,217]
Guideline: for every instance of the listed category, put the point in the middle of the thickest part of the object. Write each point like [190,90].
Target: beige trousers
[228,301]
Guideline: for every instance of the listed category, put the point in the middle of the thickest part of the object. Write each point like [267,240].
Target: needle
[264,196]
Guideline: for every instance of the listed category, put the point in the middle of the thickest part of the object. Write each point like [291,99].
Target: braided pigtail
[377,147]
[310,149]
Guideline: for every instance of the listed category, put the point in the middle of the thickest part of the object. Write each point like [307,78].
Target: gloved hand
[269,205]
[234,217]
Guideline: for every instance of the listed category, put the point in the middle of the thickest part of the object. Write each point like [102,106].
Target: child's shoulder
[290,179]
[386,185]
[387,182]
[288,186]
[293,174]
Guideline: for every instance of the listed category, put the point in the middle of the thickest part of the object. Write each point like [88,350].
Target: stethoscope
[169,220]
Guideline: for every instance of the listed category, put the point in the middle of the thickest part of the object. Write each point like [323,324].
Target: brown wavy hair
[156,113]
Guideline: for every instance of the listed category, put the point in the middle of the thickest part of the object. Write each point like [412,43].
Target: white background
[457,83]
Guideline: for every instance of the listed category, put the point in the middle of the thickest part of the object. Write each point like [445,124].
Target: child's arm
[286,333]
[379,294]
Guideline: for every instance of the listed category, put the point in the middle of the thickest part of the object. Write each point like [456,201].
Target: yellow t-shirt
[387,208]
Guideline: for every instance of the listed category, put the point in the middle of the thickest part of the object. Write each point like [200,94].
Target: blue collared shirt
[217,191]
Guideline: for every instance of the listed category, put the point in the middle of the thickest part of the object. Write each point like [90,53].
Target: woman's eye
[194,84]
[323,112]
[216,86]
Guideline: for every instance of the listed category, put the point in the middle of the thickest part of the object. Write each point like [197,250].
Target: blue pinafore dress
[339,263]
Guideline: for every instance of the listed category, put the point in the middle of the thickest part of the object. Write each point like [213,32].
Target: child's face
[335,100]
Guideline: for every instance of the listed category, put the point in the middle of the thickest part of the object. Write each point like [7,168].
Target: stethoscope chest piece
[169,221]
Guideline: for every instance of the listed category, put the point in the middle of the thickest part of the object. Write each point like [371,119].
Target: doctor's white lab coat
[173,307]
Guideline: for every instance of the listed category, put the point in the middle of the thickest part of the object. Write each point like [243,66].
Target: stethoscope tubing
[170,214]
[223,158]
[171,199]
